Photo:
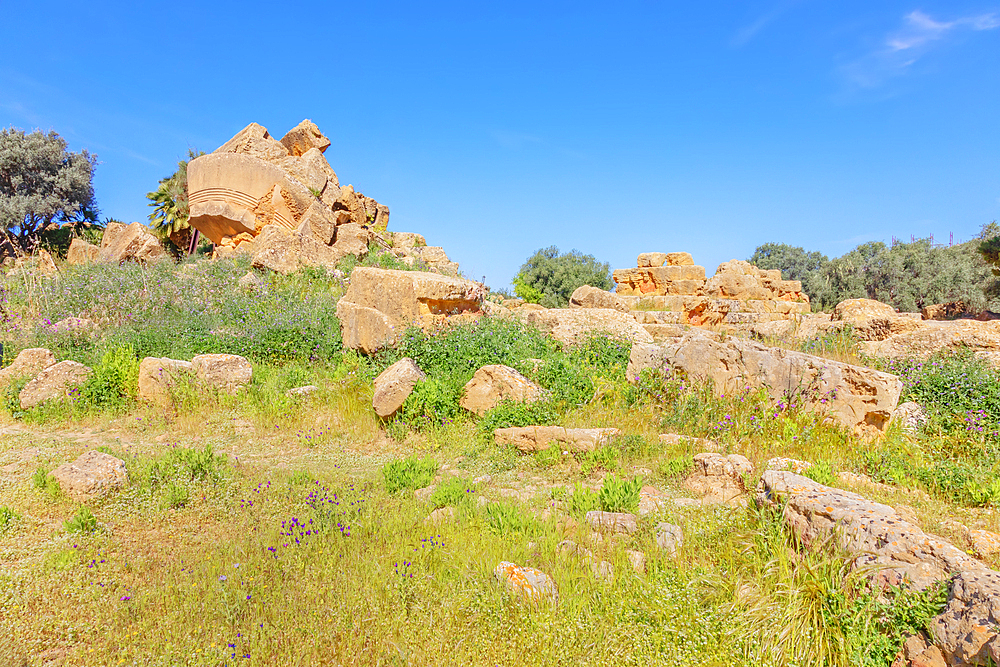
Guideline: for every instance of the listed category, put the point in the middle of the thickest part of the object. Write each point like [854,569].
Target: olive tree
[549,278]
[42,185]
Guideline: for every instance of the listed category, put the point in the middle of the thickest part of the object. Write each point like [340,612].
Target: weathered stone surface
[983,338]
[985,543]
[526,582]
[495,383]
[872,320]
[651,259]
[301,392]
[158,376]
[968,631]
[538,438]
[27,363]
[91,475]
[719,479]
[860,398]
[131,243]
[81,252]
[678,259]
[352,239]
[407,240]
[859,310]
[613,522]
[586,296]
[55,381]
[669,537]
[910,415]
[660,280]
[303,137]
[285,252]
[572,325]
[783,463]
[440,516]
[741,280]
[365,329]
[381,303]
[254,141]
[225,372]
[394,385]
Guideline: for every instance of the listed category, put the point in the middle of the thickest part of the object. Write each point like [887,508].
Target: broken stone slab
[658,259]
[860,398]
[381,303]
[586,296]
[159,376]
[303,137]
[539,438]
[54,382]
[718,478]
[394,385]
[651,500]
[225,372]
[129,243]
[92,474]
[27,363]
[253,141]
[899,554]
[526,582]
[81,252]
[612,522]
[572,326]
[495,383]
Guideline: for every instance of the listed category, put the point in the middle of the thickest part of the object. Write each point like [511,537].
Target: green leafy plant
[822,472]
[549,456]
[175,495]
[677,466]
[549,277]
[583,500]
[620,495]
[410,473]
[433,402]
[452,492]
[83,521]
[43,480]
[188,464]
[606,457]
[7,517]
[511,413]
[504,519]
[115,380]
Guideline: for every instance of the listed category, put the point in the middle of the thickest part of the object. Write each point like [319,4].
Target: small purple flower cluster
[248,502]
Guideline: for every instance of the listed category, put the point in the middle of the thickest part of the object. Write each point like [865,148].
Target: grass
[258,526]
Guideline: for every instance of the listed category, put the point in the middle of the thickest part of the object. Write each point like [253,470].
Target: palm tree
[169,218]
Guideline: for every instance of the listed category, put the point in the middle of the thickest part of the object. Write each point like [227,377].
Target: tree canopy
[549,278]
[42,185]
[907,276]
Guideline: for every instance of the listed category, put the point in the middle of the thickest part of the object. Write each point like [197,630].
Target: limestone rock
[251,282]
[303,137]
[782,463]
[439,516]
[538,438]
[985,543]
[56,381]
[300,392]
[394,385]
[352,239]
[968,630]
[983,338]
[860,398]
[526,582]
[586,296]
[92,474]
[613,522]
[27,363]
[407,240]
[495,383]
[225,372]
[132,243]
[719,479]
[651,500]
[285,252]
[381,303]
[254,141]
[944,311]
[573,325]
[669,537]
[81,252]
[365,329]
[637,559]
[859,310]
[911,415]
[158,376]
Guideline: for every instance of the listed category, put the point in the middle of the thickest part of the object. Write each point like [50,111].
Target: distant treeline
[907,276]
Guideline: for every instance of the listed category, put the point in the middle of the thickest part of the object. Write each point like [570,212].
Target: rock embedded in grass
[93,474]
[669,537]
[27,363]
[526,582]
[613,522]
[159,376]
[538,438]
[394,385]
[299,392]
[719,479]
[225,372]
[56,381]
[495,383]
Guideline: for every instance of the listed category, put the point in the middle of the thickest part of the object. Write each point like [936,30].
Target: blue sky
[611,128]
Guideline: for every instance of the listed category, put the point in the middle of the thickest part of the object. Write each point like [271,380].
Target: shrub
[175,495]
[583,500]
[549,278]
[410,473]
[512,413]
[114,381]
[434,401]
[83,521]
[604,457]
[822,472]
[619,495]
[452,492]
[190,464]
[677,466]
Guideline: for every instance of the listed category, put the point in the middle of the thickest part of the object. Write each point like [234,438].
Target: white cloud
[903,47]
[749,31]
